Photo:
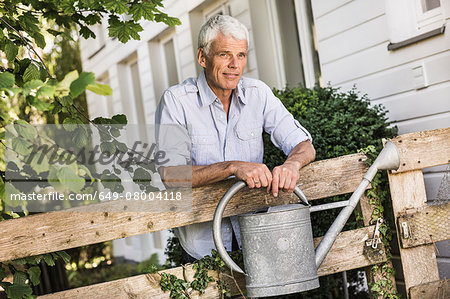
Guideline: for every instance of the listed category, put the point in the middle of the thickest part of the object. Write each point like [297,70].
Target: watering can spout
[388,159]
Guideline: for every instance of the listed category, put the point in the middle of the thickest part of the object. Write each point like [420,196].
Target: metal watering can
[277,245]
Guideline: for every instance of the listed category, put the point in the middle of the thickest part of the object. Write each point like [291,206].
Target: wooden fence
[418,225]
[49,232]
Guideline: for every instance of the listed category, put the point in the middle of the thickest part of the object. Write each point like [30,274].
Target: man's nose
[233,62]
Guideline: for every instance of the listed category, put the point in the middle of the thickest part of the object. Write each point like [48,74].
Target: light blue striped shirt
[214,138]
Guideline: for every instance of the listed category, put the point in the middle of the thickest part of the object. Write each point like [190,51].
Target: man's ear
[201,57]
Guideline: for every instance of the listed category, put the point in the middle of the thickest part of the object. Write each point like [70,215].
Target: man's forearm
[202,175]
[302,154]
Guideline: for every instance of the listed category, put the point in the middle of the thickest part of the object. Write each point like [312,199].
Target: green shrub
[340,123]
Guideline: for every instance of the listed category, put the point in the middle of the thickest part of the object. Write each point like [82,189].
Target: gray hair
[227,25]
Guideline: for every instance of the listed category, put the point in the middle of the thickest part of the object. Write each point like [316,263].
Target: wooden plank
[423,149]
[427,226]
[408,192]
[146,286]
[367,210]
[436,289]
[420,150]
[55,231]
[347,253]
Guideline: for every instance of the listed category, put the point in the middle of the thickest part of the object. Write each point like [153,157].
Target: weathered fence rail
[55,231]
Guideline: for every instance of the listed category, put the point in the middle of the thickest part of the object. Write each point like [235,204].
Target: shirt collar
[207,96]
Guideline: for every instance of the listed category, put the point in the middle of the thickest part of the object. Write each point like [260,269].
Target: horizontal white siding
[400,79]
[354,40]
[378,58]
[410,105]
[346,17]
[322,7]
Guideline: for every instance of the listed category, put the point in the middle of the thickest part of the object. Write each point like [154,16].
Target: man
[224,115]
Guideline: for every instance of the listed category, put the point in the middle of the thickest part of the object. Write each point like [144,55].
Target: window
[408,19]
[164,63]
[430,4]
[429,12]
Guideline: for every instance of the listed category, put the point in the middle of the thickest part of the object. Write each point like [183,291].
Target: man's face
[224,63]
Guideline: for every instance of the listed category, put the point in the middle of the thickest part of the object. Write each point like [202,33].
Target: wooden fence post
[419,263]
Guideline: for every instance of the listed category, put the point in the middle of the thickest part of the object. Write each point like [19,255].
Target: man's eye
[223,55]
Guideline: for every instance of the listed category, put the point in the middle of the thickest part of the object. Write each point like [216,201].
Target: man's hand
[256,175]
[285,177]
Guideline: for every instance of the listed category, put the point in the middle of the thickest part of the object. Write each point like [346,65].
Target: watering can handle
[217,222]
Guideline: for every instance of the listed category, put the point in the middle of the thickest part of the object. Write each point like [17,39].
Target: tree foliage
[28,84]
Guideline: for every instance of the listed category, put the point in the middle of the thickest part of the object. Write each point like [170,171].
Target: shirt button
[252,134]
[204,139]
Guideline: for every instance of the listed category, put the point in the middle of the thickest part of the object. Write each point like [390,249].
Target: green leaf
[85,32]
[32,72]
[117,6]
[101,89]
[22,146]
[80,137]
[120,119]
[71,124]
[39,40]
[141,176]
[108,148]
[64,256]
[93,19]
[48,259]
[10,189]
[120,146]
[25,130]
[79,85]
[33,84]
[18,291]
[34,273]
[68,79]
[68,177]
[124,30]
[20,277]
[66,101]
[142,10]
[46,91]
[39,163]
[11,51]
[41,105]
[6,80]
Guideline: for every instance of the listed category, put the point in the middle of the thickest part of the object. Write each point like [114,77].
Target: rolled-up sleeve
[171,132]
[285,131]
